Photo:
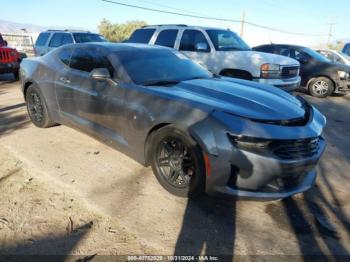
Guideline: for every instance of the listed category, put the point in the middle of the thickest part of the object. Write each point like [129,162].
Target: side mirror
[100,74]
[5,43]
[201,47]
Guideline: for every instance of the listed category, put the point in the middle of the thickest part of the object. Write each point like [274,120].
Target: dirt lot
[62,192]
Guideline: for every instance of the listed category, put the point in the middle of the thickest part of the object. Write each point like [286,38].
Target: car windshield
[225,40]
[317,56]
[158,67]
[88,37]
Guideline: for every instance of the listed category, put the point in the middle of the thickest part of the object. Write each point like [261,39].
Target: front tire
[16,75]
[321,87]
[177,162]
[37,108]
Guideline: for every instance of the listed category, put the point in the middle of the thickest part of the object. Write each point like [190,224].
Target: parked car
[346,49]
[52,39]
[9,59]
[223,52]
[198,131]
[335,56]
[318,74]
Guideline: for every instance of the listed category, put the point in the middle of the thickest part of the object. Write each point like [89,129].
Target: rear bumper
[9,67]
[288,85]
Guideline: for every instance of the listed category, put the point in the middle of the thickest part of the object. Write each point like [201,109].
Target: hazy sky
[304,16]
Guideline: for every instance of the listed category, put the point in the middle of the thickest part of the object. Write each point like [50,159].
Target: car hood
[253,101]
[259,58]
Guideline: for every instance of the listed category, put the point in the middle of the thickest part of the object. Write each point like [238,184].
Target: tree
[118,32]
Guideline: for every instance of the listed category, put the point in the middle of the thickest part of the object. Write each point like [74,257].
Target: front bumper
[288,85]
[281,169]
[343,86]
[9,67]
[266,177]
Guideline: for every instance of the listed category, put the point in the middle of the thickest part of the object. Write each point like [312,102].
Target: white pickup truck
[223,52]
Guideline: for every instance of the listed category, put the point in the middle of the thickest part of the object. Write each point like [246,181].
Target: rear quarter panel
[41,72]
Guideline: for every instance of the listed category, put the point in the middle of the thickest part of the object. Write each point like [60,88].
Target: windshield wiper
[161,83]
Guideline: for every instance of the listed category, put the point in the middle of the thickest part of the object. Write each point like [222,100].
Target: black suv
[319,75]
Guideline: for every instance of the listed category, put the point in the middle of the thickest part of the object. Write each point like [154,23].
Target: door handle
[64,80]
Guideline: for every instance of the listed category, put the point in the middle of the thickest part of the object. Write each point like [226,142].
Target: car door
[94,105]
[195,45]
[303,58]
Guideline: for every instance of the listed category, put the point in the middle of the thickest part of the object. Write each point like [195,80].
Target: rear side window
[42,39]
[60,39]
[142,36]
[65,55]
[191,38]
[167,38]
[88,37]
[346,49]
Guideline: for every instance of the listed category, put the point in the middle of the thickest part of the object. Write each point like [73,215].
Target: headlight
[248,143]
[343,74]
[270,71]
[13,53]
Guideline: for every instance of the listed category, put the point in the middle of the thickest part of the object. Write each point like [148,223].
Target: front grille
[290,150]
[290,71]
[4,56]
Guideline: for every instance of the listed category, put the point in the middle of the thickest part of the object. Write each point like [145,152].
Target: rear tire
[177,162]
[37,108]
[321,87]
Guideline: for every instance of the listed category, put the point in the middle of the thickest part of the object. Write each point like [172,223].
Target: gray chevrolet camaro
[199,132]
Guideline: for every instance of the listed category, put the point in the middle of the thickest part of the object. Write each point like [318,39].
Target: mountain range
[14,27]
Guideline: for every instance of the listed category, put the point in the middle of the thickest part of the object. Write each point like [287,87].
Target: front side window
[42,39]
[158,65]
[142,36]
[100,60]
[225,40]
[191,39]
[82,60]
[167,38]
[88,37]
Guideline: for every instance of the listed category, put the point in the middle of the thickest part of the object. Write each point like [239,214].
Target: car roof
[177,26]
[119,46]
[283,45]
[67,31]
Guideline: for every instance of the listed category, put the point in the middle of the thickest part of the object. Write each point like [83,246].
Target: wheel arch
[148,147]
[317,76]
[239,73]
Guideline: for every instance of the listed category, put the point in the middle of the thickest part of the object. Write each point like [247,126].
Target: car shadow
[208,228]
[13,118]
[48,248]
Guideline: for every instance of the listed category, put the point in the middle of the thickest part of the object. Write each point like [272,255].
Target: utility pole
[330,34]
[242,23]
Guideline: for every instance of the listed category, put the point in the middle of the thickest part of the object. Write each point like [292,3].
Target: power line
[209,18]
[170,7]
